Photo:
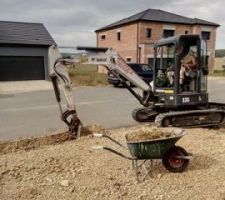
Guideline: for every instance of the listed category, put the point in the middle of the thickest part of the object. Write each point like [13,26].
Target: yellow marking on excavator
[168,91]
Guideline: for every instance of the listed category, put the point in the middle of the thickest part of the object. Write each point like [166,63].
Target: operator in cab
[188,65]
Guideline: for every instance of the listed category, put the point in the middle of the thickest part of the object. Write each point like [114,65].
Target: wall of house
[126,47]
[146,44]
[211,44]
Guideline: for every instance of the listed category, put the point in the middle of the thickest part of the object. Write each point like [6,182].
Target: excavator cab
[180,71]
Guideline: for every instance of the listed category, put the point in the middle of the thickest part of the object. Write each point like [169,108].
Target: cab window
[165,66]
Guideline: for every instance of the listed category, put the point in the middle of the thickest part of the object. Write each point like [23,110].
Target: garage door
[17,68]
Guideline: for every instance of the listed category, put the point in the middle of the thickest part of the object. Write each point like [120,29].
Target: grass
[87,75]
[220,53]
[218,73]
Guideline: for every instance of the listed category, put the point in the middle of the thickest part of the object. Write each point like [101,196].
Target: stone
[65,183]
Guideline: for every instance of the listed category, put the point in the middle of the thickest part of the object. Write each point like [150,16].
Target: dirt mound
[145,134]
[34,143]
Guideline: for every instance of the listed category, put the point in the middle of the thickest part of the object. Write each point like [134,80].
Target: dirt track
[73,170]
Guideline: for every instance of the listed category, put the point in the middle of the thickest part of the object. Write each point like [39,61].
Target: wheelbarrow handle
[112,151]
[97,135]
[108,137]
[98,147]
[182,132]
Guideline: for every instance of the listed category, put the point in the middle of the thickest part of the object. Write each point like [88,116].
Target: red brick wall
[211,44]
[157,34]
[126,47]
[146,44]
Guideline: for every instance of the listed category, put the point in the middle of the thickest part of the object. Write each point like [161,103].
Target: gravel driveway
[73,170]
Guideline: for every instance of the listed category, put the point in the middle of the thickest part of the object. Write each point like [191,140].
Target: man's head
[193,50]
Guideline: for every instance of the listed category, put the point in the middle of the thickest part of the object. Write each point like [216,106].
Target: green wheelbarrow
[174,158]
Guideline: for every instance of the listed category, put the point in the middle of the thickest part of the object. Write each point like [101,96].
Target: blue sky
[72,22]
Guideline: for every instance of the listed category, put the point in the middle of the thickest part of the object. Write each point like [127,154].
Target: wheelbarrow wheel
[173,161]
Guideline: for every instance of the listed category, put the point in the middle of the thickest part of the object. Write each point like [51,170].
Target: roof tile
[24,33]
[158,16]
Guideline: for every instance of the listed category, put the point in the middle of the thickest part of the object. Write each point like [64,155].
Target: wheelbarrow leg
[136,169]
[148,170]
[133,164]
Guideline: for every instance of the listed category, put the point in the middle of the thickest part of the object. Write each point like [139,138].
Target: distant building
[134,37]
[24,51]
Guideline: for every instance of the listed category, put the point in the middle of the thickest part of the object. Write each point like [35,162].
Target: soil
[72,169]
[149,133]
[34,143]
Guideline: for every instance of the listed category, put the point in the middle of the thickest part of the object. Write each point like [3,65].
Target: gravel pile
[73,170]
[149,133]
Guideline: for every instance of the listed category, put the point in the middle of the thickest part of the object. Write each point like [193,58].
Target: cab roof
[175,39]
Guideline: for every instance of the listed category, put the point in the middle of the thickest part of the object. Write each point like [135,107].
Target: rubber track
[159,119]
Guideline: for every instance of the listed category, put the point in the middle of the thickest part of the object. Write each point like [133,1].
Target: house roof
[158,16]
[24,33]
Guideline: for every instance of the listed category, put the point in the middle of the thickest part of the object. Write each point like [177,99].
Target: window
[150,61]
[103,37]
[128,60]
[206,35]
[164,66]
[148,32]
[186,32]
[168,33]
[118,36]
[141,67]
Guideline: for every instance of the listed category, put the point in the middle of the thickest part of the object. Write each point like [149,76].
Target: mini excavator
[168,100]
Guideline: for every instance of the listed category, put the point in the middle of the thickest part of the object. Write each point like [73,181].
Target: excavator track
[191,118]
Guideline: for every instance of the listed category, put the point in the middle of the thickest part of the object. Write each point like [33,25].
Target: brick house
[134,37]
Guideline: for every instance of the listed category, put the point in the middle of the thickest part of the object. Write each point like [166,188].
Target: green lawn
[87,75]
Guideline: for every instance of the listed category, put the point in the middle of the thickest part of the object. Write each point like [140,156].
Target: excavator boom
[111,60]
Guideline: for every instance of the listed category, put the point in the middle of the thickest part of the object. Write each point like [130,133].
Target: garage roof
[156,15]
[24,33]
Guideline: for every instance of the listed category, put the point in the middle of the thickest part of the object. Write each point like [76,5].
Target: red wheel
[173,161]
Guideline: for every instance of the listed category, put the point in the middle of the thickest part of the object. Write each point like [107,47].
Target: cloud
[204,9]
[70,21]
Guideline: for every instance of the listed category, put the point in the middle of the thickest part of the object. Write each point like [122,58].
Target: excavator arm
[112,61]
[61,82]
[106,57]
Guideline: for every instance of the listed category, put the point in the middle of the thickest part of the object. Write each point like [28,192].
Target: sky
[72,22]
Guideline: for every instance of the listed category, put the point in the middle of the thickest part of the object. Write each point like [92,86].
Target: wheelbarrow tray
[152,149]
